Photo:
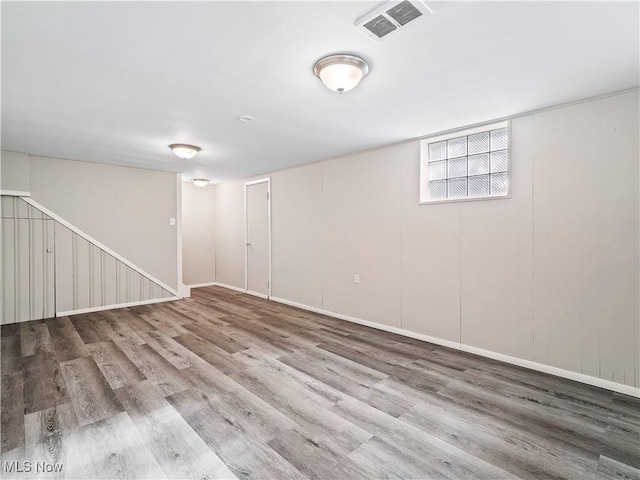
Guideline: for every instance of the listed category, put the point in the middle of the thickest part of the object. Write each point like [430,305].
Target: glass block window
[466,165]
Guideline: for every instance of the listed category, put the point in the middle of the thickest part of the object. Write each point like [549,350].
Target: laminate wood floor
[226,385]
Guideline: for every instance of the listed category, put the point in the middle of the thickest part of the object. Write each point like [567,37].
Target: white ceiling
[118,82]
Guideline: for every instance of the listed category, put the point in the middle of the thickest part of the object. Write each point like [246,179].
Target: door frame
[246,235]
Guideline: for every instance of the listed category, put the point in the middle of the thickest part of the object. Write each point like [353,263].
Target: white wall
[549,275]
[126,209]
[198,234]
[229,229]
[14,172]
[296,195]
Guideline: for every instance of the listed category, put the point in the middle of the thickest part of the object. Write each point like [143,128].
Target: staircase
[51,268]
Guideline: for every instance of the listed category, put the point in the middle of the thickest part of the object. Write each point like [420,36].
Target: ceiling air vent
[380,26]
[404,12]
[391,17]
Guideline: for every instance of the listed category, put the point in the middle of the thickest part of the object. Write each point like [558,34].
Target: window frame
[424,163]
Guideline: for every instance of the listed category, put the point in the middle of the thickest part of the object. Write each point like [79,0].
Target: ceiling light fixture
[245,118]
[341,72]
[184,151]
[200,182]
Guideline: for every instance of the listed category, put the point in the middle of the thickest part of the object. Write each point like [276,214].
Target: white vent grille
[392,17]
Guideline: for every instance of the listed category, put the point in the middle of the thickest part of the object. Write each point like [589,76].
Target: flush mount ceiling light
[200,182]
[185,151]
[341,72]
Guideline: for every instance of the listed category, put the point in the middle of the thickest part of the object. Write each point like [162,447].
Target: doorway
[257,215]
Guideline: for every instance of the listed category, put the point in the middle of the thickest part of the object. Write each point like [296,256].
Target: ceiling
[117,82]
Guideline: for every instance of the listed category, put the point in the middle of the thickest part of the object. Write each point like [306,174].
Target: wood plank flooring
[226,385]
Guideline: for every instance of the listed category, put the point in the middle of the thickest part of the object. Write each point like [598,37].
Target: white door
[258,237]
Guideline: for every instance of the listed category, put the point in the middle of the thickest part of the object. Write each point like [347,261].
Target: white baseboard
[112,307]
[257,294]
[558,372]
[200,285]
[367,323]
[230,287]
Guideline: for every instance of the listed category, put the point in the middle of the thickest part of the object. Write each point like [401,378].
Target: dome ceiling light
[184,151]
[341,72]
[200,182]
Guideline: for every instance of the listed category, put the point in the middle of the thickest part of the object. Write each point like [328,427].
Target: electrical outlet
[356,278]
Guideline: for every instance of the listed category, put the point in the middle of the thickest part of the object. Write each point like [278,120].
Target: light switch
[172,221]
